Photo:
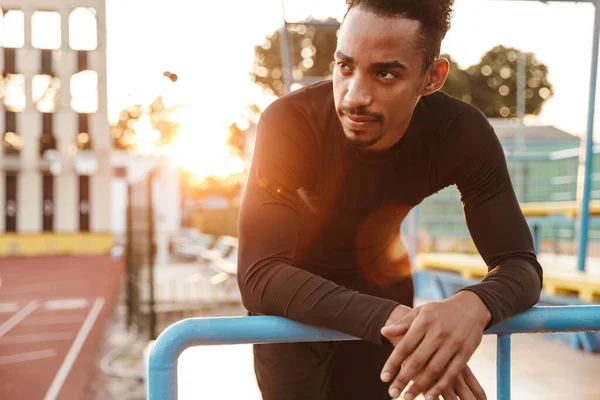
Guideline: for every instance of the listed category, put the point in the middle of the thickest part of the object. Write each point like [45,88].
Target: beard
[360,139]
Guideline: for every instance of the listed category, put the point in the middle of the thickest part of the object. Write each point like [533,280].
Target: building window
[84,92]
[45,93]
[45,30]
[12,29]
[14,92]
[83,29]
[12,144]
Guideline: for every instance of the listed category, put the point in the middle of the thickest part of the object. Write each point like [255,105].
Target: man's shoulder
[307,102]
[456,119]
[452,108]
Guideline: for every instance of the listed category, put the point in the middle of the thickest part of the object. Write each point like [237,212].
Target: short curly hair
[434,16]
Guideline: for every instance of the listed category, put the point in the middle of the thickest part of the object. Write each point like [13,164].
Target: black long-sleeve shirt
[319,237]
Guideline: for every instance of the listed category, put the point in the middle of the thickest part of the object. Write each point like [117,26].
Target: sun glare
[200,149]
[145,136]
[203,150]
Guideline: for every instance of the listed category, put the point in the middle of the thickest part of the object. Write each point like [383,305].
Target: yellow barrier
[567,208]
[44,244]
[557,280]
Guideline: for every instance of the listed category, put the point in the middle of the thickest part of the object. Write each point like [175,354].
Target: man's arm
[439,338]
[268,232]
[498,228]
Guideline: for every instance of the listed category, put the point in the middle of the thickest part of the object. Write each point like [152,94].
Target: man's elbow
[535,298]
[250,298]
[536,287]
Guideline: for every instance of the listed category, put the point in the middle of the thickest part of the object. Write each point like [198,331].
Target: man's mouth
[360,118]
[358,122]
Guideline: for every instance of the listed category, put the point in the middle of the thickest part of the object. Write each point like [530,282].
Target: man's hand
[436,341]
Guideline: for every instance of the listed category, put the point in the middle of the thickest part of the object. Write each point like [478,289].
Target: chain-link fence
[141,252]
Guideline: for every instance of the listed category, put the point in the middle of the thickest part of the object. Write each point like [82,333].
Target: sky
[210,45]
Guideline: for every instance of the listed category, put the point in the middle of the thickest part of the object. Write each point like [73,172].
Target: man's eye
[386,75]
[343,66]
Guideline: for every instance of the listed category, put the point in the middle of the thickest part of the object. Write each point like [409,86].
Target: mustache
[360,112]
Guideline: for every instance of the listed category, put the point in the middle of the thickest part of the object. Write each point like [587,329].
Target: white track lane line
[18,317]
[36,338]
[30,356]
[69,360]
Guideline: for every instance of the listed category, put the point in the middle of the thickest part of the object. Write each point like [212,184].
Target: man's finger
[458,363]
[401,326]
[462,389]
[450,394]
[412,367]
[403,349]
[433,370]
[395,330]
[473,384]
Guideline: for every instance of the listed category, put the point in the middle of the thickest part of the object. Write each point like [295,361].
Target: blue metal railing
[162,366]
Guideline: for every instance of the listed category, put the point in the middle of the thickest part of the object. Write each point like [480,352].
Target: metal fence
[141,252]
[536,177]
[162,364]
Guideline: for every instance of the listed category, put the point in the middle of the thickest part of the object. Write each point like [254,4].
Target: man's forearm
[275,287]
[509,289]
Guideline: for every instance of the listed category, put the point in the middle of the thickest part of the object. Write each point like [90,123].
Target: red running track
[53,312]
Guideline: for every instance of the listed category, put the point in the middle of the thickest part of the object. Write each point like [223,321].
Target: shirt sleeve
[494,218]
[283,161]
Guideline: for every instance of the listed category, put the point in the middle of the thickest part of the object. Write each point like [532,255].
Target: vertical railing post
[503,367]
[162,374]
[286,56]
[586,165]
[536,237]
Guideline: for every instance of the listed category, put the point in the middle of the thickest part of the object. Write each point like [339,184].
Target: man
[336,168]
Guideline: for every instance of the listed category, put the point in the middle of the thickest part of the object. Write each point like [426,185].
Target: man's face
[378,77]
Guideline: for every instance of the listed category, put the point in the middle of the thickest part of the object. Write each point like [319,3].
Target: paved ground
[118,364]
[53,312]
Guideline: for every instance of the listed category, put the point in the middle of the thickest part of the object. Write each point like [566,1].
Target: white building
[55,170]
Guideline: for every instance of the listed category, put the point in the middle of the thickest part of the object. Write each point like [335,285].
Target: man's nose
[359,93]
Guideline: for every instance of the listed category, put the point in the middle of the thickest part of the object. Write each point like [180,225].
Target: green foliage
[491,84]
[313,49]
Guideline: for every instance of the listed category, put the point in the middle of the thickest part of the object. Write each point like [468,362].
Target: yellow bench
[567,208]
[558,280]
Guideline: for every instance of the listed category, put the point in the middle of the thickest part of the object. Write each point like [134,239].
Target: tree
[457,83]
[161,119]
[491,84]
[313,49]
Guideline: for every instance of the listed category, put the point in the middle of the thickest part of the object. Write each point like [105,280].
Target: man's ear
[436,75]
